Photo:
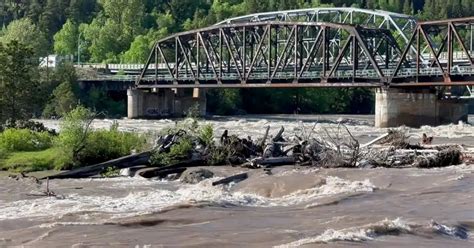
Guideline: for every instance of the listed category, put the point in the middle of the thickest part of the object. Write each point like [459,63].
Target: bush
[206,135]
[23,124]
[82,146]
[179,151]
[14,139]
[103,145]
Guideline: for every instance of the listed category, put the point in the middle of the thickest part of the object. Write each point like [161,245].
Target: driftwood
[235,178]
[374,140]
[447,157]
[158,172]
[264,139]
[272,161]
[185,164]
[119,163]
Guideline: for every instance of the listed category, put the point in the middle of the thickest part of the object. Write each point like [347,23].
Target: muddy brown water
[294,206]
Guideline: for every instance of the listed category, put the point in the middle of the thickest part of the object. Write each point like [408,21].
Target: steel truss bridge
[321,47]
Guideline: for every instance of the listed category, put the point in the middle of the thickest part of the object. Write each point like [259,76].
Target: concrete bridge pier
[159,103]
[416,107]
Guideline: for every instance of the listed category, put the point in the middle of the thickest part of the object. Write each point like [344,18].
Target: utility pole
[79,49]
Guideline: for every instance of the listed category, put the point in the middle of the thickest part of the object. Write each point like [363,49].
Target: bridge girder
[271,54]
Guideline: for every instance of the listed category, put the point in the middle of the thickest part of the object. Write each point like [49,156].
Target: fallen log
[273,161]
[235,178]
[185,164]
[118,163]
[158,172]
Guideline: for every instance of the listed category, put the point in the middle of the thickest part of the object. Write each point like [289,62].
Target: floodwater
[293,206]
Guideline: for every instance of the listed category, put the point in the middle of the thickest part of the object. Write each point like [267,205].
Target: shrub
[206,135]
[25,124]
[13,139]
[179,151]
[103,145]
[82,146]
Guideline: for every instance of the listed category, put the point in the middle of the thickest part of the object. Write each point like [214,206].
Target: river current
[291,207]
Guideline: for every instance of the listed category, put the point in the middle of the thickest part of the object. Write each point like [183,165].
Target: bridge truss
[320,47]
[400,25]
[272,54]
[443,40]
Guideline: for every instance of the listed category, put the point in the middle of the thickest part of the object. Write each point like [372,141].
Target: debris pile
[334,147]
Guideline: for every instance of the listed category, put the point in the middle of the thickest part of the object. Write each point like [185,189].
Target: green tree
[467,7]
[25,32]
[81,10]
[408,7]
[64,96]
[139,50]
[17,81]
[66,40]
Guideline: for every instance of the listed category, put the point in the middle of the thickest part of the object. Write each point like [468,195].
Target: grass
[30,161]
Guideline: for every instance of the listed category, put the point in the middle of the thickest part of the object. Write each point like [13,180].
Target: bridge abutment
[164,102]
[416,107]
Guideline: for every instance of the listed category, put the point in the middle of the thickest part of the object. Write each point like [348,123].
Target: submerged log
[185,164]
[273,161]
[235,178]
[159,172]
[118,163]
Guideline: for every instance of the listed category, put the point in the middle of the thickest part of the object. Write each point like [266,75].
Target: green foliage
[206,134]
[63,101]
[66,40]
[82,146]
[74,131]
[99,100]
[18,85]
[178,152]
[103,145]
[139,50]
[30,161]
[3,153]
[193,133]
[13,139]
[111,172]
[194,111]
[26,32]
[25,124]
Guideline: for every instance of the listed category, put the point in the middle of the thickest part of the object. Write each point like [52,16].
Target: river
[294,206]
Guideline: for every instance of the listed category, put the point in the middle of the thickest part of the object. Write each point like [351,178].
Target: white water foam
[153,199]
[357,234]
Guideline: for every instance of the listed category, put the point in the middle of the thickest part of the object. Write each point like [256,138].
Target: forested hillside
[122,31]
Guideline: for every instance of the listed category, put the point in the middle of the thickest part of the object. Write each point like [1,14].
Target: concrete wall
[163,103]
[396,107]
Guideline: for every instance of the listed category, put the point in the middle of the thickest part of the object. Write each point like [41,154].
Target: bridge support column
[134,103]
[190,99]
[415,107]
[160,103]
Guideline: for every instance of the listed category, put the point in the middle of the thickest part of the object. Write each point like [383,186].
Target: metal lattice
[280,54]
